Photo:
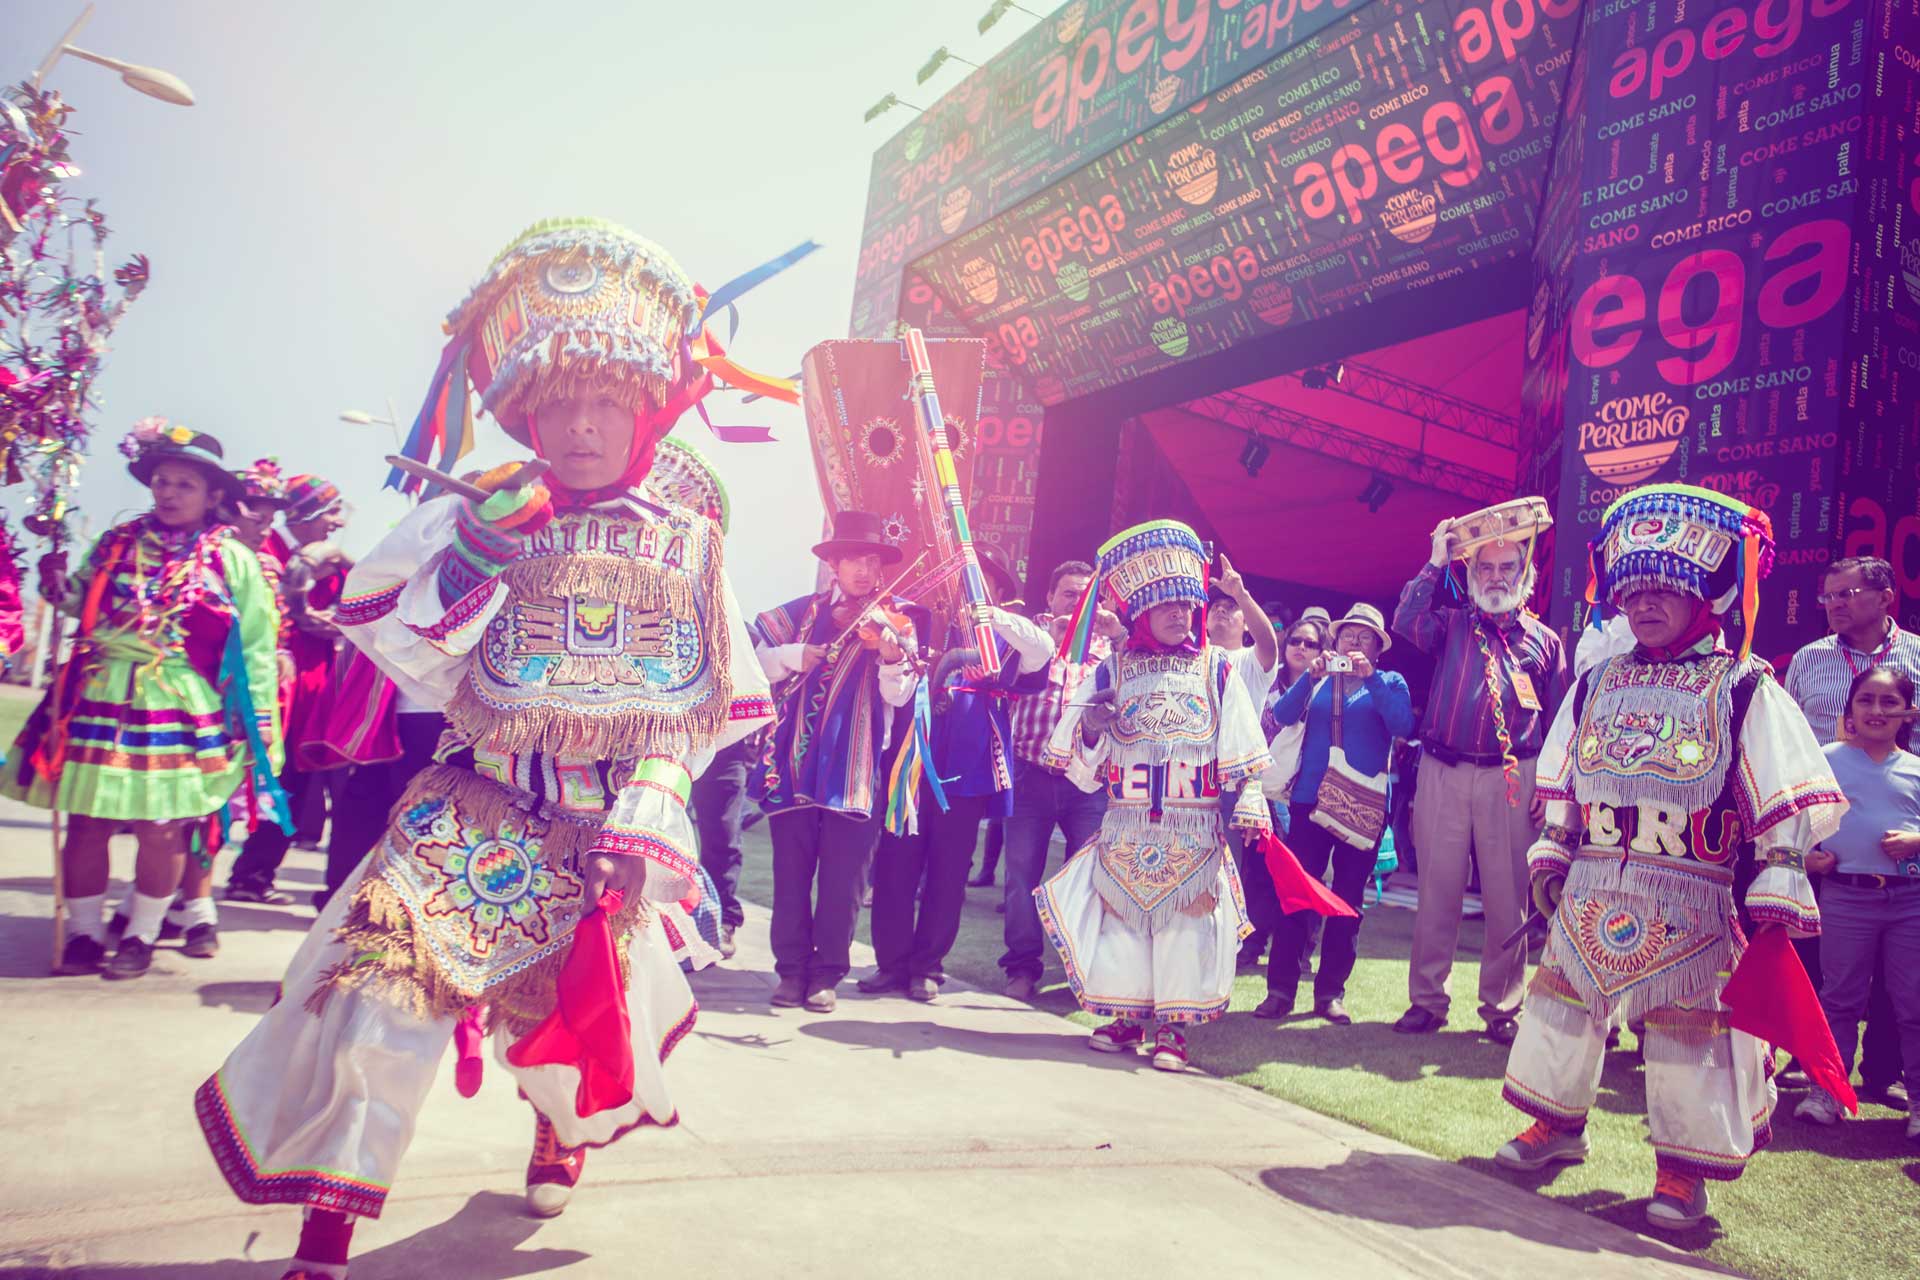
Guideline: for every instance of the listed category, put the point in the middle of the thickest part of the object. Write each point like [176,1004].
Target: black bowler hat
[197,449]
[857,533]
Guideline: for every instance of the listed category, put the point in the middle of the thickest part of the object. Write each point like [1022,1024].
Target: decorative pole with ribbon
[946,478]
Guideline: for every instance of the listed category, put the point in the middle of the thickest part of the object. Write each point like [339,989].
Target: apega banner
[1714,160]
[1401,146]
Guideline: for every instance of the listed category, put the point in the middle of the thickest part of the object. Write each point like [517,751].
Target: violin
[868,620]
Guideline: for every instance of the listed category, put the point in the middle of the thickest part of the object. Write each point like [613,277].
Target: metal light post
[361,418]
[151,81]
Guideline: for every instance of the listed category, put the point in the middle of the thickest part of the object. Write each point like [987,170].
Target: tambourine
[1520,520]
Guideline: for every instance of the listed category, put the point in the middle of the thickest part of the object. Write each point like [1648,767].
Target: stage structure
[1317,275]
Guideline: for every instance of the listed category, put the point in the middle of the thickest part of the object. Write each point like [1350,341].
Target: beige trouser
[1461,811]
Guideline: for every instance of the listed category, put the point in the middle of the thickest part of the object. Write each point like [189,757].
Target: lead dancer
[590,657]
[1148,917]
[1669,768]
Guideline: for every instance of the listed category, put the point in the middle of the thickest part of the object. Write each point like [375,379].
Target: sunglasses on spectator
[1302,642]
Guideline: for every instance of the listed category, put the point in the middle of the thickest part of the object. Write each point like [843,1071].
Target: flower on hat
[146,433]
[180,435]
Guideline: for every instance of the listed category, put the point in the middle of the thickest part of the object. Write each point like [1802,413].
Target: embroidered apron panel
[489,896]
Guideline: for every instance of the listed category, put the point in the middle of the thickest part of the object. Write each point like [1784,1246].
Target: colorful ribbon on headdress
[730,292]
[1075,640]
[1749,591]
[445,419]
[1593,583]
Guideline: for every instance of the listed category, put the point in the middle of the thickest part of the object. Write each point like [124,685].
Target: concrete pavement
[976,1136]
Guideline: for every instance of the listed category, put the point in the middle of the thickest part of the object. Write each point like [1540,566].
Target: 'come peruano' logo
[1632,437]
[980,280]
[1170,335]
[1193,173]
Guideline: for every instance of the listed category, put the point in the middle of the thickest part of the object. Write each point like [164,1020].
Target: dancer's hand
[623,873]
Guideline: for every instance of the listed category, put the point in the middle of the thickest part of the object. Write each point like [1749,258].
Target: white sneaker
[548,1199]
[1819,1106]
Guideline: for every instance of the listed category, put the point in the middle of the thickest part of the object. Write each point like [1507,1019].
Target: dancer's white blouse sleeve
[1790,802]
[391,609]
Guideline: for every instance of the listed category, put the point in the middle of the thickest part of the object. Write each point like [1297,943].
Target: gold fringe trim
[621,735]
[1551,984]
[388,955]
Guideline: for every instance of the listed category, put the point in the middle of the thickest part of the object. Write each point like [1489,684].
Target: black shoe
[880,980]
[982,881]
[268,896]
[1334,1011]
[922,989]
[203,942]
[83,955]
[132,960]
[1419,1022]
[117,928]
[727,945]
[1275,1006]
[789,993]
[1794,1077]
[1503,1030]
[1249,958]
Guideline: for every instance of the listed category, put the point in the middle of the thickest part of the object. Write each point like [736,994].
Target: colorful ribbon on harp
[910,769]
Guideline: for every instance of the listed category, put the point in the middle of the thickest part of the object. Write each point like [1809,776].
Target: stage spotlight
[1376,493]
[1313,379]
[1254,454]
[1339,371]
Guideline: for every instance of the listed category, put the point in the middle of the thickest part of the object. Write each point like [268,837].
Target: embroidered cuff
[649,820]
[480,550]
[1235,772]
[1250,812]
[1783,895]
[1549,857]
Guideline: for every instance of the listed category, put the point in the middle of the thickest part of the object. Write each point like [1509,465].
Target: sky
[350,168]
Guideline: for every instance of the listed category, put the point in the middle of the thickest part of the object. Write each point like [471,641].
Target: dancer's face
[587,438]
[181,499]
[1172,622]
[1658,616]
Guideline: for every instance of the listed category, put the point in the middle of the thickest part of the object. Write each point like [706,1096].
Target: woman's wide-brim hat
[857,533]
[1365,615]
[191,448]
[1153,564]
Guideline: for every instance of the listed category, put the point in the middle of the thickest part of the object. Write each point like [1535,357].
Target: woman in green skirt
[168,699]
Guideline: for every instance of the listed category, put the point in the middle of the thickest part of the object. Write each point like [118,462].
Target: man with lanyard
[1499,676]
[1042,797]
[819,782]
[1858,595]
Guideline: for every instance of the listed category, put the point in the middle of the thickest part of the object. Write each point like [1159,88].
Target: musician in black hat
[839,659]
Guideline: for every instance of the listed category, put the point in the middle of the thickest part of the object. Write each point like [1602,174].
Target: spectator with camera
[1338,800]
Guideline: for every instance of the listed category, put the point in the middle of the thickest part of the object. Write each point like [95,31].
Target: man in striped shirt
[1857,594]
[1499,675]
[1042,798]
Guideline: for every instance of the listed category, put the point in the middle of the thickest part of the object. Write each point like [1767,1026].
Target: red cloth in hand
[1770,998]
[589,1027]
[1297,890]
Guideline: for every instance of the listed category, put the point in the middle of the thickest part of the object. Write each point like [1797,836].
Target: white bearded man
[1683,792]
[1499,675]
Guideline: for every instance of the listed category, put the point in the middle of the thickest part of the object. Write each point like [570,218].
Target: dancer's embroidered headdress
[1686,539]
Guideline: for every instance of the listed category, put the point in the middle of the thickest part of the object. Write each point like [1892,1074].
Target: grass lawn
[1818,1203]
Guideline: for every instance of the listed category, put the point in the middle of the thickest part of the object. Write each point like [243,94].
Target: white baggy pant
[318,1109]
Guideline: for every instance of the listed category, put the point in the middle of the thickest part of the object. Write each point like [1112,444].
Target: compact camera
[1339,664]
